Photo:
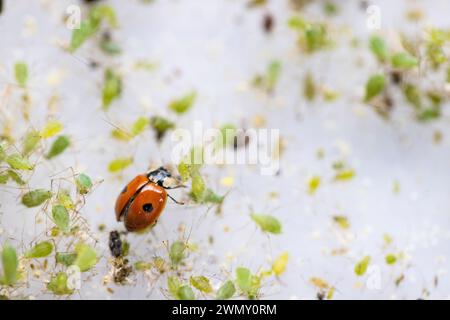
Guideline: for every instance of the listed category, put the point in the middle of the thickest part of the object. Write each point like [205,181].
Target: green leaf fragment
[65,200]
[279,265]
[344,175]
[159,264]
[4,178]
[120,134]
[59,146]
[142,265]
[269,79]
[173,284]
[17,162]
[413,95]
[144,65]
[30,142]
[61,217]
[191,163]
[227,136]
[210,196]
[201,283]
[139,126]
[105,12]
[374,86]
[112,88]
[185,293]
[66,259]
[13,175]
[92,24]
[404,60]
[243,279]
[296,23]
[435,47]
[378,48]
[226,291]
[120,164]
[110,47]
[342,222]
[361,266]
[83,183]
[273,74]
[184,169]
[86,30]
[309,87]
[184,103]
[330,8]
[267,223]
[36,197]
[176,253]
[161,125]
[40,250]
[313,185]
[86,257]
[2,154]
[391,259]
[312,36]
[256,3]
[125,248]
[51,129]
[58,284]
[21,73]
[198,188]
[428,114]
[10,264]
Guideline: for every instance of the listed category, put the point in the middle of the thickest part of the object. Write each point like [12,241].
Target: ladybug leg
[177,202]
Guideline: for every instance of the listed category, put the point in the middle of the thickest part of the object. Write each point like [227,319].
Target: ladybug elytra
[143,199]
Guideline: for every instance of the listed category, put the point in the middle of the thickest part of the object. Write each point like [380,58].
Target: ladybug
[143,199]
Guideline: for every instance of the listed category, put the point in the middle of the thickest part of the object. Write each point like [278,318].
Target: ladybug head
[163,178]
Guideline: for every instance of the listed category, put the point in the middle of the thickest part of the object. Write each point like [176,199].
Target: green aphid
[36,197]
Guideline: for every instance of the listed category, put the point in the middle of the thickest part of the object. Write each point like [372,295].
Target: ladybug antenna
[177,202]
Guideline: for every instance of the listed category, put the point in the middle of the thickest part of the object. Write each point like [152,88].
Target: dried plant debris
[312,36]
[402,65]
[268,81]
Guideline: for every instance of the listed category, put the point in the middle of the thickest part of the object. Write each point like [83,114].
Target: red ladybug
[143,199]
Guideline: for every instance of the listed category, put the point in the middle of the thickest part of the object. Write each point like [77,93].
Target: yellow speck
[227,181]
[318,282]
[259,121]
[56,77]
[279,265]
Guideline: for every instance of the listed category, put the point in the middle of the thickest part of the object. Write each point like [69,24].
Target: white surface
[217,47]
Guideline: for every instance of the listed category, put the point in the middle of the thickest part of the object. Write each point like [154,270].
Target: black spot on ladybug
[125,189]
[148,207]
